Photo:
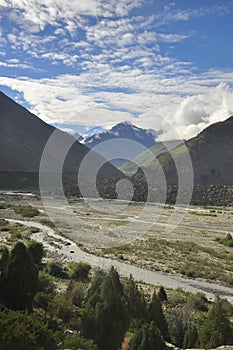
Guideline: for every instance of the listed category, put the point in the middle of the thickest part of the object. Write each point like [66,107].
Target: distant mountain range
[23,137]
[125,130]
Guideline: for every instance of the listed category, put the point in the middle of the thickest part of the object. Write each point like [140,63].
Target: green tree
[217,329]
[23,331]
[20,279]
[76,342]
[155,314]
[191,338]
[162,295]
[135,300]
[36,251]
[105,317]
[4,256]
[148,337]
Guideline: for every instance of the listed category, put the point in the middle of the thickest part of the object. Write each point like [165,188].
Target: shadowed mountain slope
[23,137]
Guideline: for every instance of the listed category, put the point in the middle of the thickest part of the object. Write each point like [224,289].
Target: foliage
[105,317]
[148,337]
[135,300]
[23,331]
[56,269]
[19,280]
[45,282]
[76,342]
[227,241]
[155,314]
[198,301]
[26,211]
[79,270]
[216,330]
[191,338]
[76,292]
[162,295]
[35,250]
[60,307]
[48,223]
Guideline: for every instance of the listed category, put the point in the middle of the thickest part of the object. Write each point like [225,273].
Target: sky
[165,65]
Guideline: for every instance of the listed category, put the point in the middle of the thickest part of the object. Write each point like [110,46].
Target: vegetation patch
[26,211]
[227,241]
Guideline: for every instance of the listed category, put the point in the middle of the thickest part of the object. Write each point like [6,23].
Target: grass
[184,257]
[202,214]
[48,223]
[34,229]
[227,241]
[26,211]
[4,205]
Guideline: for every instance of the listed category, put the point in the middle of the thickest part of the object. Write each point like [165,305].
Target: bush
[35,250]
[26,211]
[23,331]
[76,342]
[34,229]
[42,300]
[48,223]
[198,301]
[45,283]
[56,269]
[79,270]
[61,307]
[227,241]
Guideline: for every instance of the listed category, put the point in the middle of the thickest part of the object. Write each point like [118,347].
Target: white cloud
[118,68]
[197,112]
[156,103]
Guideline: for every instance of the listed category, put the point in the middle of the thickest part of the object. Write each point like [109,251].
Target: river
[69,251]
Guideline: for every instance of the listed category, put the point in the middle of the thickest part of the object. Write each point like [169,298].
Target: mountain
[77,136]
[23,137]
[211,154]
[125,130]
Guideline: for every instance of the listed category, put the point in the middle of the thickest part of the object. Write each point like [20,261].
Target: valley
[148,245]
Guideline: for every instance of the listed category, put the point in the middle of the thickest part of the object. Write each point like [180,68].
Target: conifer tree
[217,329]
[155,314]
[162,295]
[20,279]
[191,338]
[148,337]
[135,300]
[105,318]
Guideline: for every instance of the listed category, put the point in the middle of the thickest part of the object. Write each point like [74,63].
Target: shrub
[56,269]
[19,330]
[227,241]
[26,211]
[79,270]
[35,250]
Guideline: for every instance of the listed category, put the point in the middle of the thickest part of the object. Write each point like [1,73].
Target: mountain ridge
[23,137]
[211,154]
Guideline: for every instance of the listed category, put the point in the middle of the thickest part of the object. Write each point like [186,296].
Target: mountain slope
[23,137]
[129,168]
[211,153]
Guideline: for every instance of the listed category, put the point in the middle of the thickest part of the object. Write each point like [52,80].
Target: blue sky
[159,64]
